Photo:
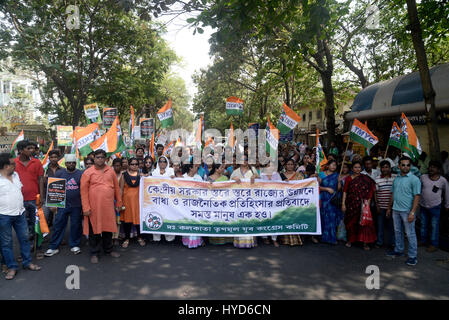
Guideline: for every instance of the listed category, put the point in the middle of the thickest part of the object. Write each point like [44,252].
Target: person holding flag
[31,174]
[12,215]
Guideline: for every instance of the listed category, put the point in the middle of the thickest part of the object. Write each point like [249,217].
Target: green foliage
[116,54]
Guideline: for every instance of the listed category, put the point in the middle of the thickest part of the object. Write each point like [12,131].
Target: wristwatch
[412,213]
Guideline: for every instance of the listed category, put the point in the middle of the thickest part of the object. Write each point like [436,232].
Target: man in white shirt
[12,215]
[369,171]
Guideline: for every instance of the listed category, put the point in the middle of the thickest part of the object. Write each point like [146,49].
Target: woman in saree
[330,214]
[290,174]
[358,187]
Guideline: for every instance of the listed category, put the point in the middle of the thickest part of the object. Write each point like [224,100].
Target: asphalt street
[172,271]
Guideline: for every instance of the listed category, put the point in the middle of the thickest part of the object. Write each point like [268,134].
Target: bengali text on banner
[183,207]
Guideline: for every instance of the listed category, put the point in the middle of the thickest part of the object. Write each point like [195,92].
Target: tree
[37,34]
[429,93]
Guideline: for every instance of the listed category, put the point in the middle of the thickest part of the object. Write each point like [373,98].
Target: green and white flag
[234,106]
[165,115]
[272,137]
[361,134]
[288,120]
[395,136]
[20,137]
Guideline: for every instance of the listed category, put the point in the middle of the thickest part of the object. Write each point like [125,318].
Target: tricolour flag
[409,141]
[321,159]
[288,120]
[234,106]
[46,160]
[168,149]
[40,226]
[272,137]
[131,127]
[84,136]
[152,147]
[361,134]
[395,136]
[165,115]
[111,141]
[20,137]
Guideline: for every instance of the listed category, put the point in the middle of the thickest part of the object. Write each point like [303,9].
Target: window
[318,114]
[310,115]
[304,117]
[6,85]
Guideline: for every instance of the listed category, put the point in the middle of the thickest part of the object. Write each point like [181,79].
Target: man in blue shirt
[72,209]
[404,203]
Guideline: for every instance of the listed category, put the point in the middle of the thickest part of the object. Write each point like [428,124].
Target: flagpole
[386,151]
[344,155]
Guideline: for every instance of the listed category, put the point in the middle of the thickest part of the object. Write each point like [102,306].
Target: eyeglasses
[133,164]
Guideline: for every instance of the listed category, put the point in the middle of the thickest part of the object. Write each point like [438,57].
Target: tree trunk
[429,93]
[326,79]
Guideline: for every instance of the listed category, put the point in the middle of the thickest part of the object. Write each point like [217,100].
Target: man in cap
[72,208]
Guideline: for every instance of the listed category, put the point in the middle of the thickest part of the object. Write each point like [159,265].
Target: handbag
[366,218]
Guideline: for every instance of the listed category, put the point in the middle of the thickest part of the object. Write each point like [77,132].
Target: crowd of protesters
[102,199]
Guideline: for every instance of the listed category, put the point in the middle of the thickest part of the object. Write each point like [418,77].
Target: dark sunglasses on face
[162,161]
[133,164]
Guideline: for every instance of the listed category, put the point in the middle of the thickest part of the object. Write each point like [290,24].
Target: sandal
[366,247]
[39,256]
[125,244]
[348,245]
[32,267]
[10,274]
[141,242]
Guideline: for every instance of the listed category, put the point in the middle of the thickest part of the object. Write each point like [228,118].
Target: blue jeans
[20,226]
[30,208]
[432,214]
[400,219]
[60,225]
[382,222]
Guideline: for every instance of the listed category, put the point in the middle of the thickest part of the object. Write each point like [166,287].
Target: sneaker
[51,252]
[394,254]
[411,261]
[76,250]
[431,249]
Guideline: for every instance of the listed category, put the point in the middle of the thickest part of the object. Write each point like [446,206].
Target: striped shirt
[383,190]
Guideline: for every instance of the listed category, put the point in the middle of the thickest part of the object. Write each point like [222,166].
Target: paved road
[171,271]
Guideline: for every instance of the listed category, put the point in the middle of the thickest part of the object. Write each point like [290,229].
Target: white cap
[70,157]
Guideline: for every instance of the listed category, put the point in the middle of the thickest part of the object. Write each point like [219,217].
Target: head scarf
[168,171]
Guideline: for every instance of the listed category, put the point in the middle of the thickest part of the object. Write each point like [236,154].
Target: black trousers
[127,228]
[96,239]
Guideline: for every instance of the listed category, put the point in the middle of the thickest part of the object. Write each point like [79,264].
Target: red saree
[357,189]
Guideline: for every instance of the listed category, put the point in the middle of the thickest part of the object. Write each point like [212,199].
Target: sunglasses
[162,161]
[133,164]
